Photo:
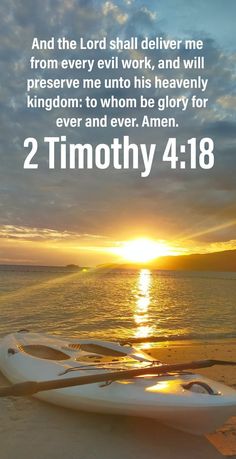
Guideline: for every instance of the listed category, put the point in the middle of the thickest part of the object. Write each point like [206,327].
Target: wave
[189,337]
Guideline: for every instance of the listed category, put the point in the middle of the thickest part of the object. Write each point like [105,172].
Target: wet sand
[187,351]
[30,429]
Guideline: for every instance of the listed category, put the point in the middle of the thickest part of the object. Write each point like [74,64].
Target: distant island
[224,261]
[76,267]
[71,266]
[216,261]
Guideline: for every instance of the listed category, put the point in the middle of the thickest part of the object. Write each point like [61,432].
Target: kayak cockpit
[52,348]
[99,349]
[88,351]
[105,351]
[43,352]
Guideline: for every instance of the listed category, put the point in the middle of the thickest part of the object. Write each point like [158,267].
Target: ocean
[118,304]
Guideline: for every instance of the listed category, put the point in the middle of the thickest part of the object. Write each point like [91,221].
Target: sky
[60,217]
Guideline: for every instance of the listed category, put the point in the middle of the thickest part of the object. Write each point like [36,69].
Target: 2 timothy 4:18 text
[121,154]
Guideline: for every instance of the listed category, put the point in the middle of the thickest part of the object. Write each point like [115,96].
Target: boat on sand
[116,379]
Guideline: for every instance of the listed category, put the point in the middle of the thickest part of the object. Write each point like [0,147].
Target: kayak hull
[191,419]
[163,398]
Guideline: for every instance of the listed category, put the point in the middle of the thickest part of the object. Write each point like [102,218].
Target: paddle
[32,387]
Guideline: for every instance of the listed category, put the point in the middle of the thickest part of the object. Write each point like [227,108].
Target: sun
[142,250]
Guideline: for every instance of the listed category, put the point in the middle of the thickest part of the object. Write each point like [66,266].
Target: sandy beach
[184,351]
[32,429]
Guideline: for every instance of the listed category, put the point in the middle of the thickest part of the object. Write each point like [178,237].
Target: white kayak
[185,401]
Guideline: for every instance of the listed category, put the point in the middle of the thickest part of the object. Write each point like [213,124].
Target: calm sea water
[118,305]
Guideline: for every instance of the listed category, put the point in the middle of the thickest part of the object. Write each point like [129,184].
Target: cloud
[62,205]
[111,9]
[227,102]
[151,14]
[128,2]
[44,234]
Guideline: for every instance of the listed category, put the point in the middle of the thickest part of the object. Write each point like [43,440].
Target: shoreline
[185,342]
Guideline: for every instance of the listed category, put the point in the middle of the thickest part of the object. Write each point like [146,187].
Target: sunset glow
[43,246]
[143,250]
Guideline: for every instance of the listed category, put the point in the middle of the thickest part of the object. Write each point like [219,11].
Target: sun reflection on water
[141,315]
